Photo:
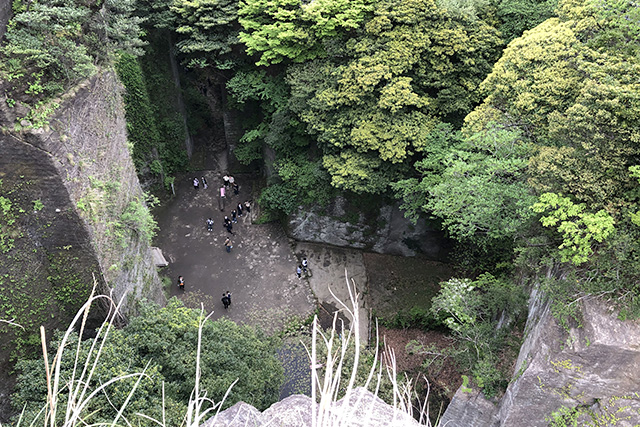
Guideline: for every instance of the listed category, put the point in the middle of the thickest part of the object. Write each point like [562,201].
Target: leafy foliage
[579,229]
[154,127]
[136,217]
[476,184]
[52,44]
[550,83]
[566,86]
[411,66]
[141,126]
[287,29]
[471,309]
[165,339]
[208,31]
[520,15]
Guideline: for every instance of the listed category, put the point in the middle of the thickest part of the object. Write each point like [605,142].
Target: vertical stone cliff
[5,15]
[575,375]
[71,209]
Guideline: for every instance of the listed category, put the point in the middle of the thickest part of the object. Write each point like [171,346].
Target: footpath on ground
[259,271]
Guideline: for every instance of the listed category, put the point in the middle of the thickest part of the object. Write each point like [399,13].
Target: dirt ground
[400,283]
[443,378]
[259,271]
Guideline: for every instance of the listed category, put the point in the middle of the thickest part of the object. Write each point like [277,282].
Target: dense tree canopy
[208,31]
[288,29]
[570,87]
[164,340]
[576,98]
[410,67]
[51,44]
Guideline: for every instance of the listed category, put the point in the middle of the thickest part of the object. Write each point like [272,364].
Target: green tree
[477,184]
[471,309]
[567,85]
[520,15]
[374,100]
[164,341]
[300,176]
[208,32]
[580,230]
[287,29]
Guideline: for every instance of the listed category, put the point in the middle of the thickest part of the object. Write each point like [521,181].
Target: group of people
[242,208]
[197,182]
[303,267]
[229,182]
[235,214]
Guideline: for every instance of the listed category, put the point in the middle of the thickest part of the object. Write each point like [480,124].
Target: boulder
[362,409]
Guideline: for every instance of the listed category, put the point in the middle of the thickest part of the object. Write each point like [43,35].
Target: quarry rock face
[72,202]
[5,15]
[581,373]
[362,409]
[469,408]
[70,209]
[385,231]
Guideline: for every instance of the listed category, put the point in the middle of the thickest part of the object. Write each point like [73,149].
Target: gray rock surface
[469,408]
[240,414]
[579,367]
[363,409]
[590,370]
[329,283]
[5,15]
[390,232]
[87,139]
[68,183]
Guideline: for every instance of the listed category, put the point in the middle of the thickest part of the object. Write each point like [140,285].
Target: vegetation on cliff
[162,343]
[52,44]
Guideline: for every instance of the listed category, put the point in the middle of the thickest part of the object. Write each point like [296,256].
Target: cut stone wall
[87,140]
[389,233]
[588,371]
[5,15]
[63,190]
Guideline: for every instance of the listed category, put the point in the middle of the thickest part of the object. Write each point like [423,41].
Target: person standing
[181,283]
[210,225]
[204,183]
[299,272]
[228,245]
[226,302]
[196,183]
